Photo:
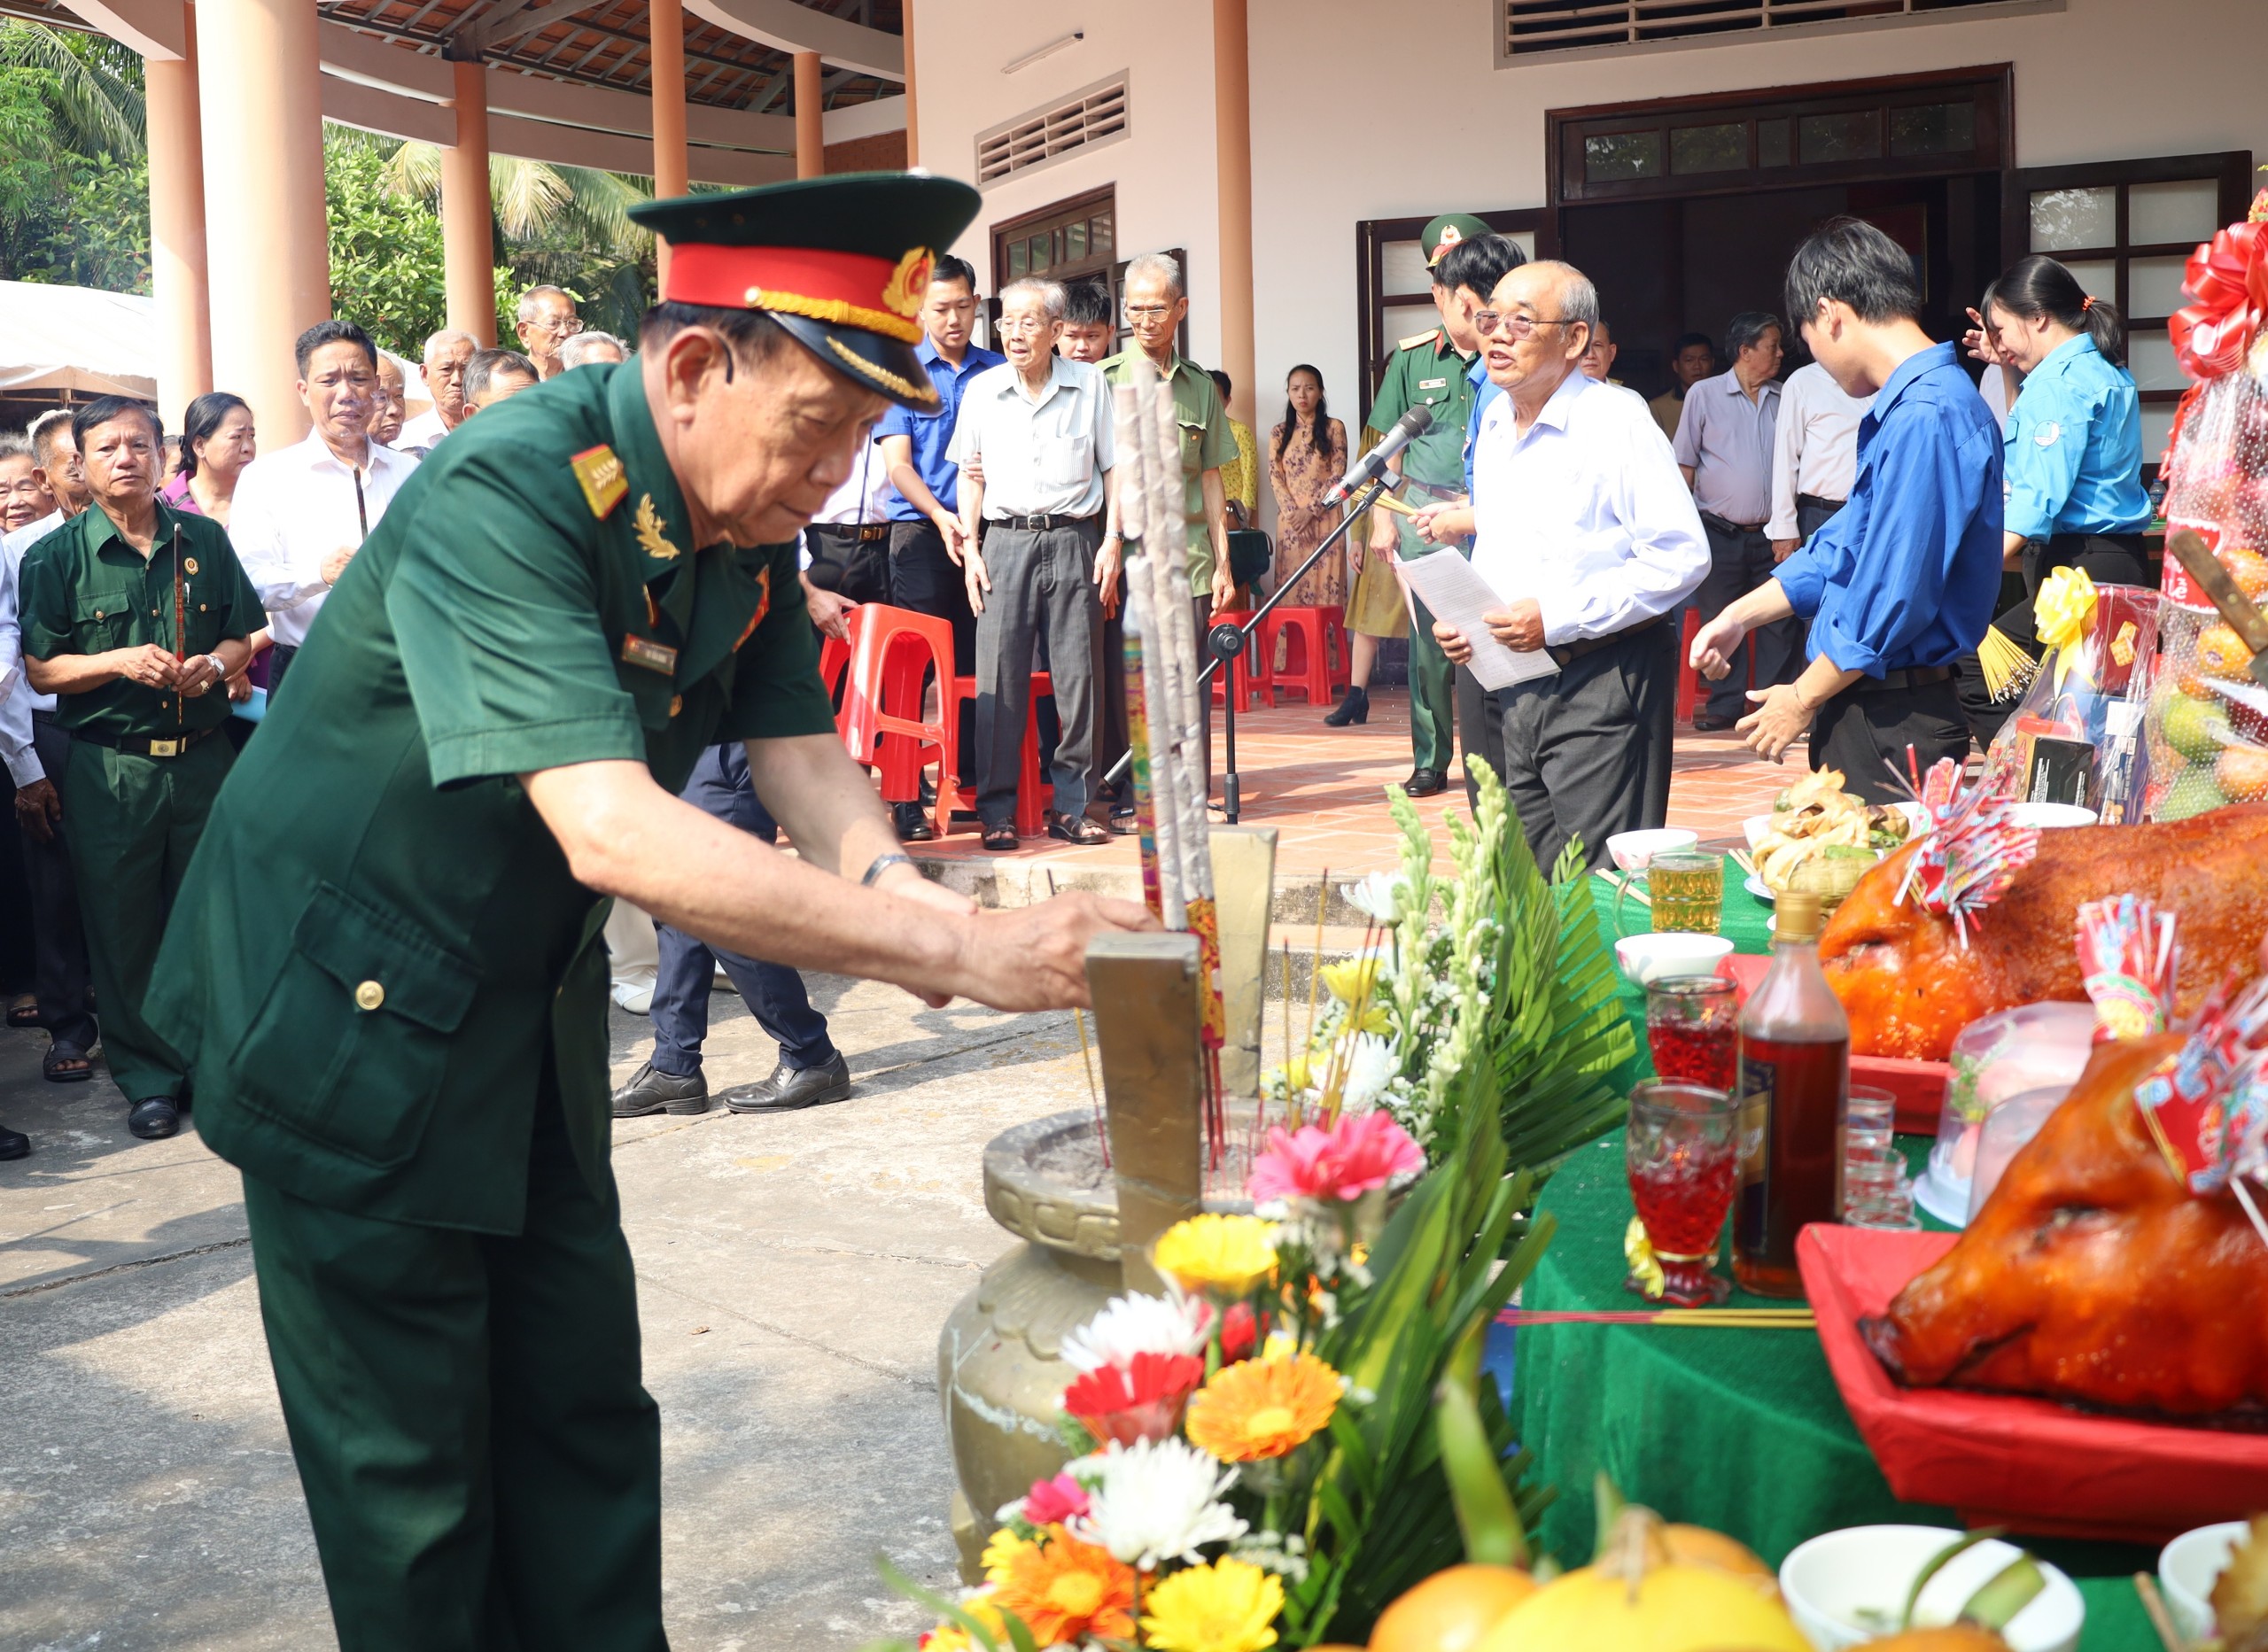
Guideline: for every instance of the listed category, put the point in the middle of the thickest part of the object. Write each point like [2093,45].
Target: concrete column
[913,109]
[468,240]
[1233,138]
[810,118]
[670,163]
[177,228]
[266,258]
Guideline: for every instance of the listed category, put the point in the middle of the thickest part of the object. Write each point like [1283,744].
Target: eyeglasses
[1487,321]
[563,329]
[1147,312]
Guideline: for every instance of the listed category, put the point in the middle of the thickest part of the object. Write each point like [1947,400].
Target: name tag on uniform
[654,656]
[1432,383]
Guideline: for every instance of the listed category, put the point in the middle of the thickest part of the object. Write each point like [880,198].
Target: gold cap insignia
[648,526]
[909,282]
[188,565]
[601,474]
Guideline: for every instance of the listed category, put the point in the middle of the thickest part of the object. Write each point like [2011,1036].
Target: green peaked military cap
[1446,232]
[840,263]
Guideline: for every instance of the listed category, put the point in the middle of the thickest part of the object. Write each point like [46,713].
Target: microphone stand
[1225,642]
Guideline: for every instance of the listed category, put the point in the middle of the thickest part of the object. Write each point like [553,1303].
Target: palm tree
[91,83]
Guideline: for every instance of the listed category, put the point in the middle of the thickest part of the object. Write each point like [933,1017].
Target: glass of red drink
[1693,1028]
[1682,1148]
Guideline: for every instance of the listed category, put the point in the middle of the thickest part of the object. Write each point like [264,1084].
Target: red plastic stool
[1253,676]
[1033,793]
[1688,680]
[1313,668]
[893,651]
[833,666]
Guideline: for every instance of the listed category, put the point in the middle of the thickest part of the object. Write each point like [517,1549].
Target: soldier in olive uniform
[385,968]
[1429,370]
[132,611]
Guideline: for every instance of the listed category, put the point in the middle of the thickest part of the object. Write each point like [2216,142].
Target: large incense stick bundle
[1144,669]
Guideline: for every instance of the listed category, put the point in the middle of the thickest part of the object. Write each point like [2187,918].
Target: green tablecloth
[1741,1431]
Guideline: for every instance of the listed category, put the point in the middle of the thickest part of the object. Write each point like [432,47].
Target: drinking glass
[1682,1149]
[1873,1189]
[1693,1028]
[1687,890]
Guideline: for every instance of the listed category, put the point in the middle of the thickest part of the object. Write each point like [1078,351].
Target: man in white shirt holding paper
[301,513]
[1588,533]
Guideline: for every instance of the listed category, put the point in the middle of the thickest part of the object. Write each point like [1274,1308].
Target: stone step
[1021,879]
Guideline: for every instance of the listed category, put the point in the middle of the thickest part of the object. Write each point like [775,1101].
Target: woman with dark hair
[216,444]
[2074,447]
[1306,454]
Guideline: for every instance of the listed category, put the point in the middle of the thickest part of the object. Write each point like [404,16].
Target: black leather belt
[1907,677]
[1724,525]
[858,532]
[144,745]
[1817,503]
[1568,653]
[1039,524]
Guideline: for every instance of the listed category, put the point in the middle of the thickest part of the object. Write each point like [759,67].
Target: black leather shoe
[650,1091]
[791,1088]
[1710,723]
[1354,708]
[154,1120]
[912,822]
[14,1143]
[1425,783]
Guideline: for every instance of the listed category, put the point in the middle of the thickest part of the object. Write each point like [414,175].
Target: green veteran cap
[840,263]
[1446,232]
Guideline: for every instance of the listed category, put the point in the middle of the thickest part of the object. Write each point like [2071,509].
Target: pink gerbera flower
[1359,1152]
[1055,1502]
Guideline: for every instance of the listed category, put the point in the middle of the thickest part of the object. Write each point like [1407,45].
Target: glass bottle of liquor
[1795,1066]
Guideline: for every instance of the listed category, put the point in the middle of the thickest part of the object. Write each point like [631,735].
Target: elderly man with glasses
[1586,529]
[547,321]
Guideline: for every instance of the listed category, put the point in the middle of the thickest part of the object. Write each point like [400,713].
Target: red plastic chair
[893,650]
[1254,678]
[833,666]
[1316,662]
[1690,688]
[1033,795]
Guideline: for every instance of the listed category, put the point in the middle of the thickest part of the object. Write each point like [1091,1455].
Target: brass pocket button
[370,995]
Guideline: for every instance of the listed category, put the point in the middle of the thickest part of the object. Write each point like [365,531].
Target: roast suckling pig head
[1909,985]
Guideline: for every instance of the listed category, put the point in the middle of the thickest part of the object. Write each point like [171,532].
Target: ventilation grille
[1092,117]
[1538,25]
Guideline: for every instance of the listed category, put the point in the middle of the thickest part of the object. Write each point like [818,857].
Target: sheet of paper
[1447,585]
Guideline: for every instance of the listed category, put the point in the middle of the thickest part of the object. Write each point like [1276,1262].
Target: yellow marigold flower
[1353,979]
[1230,1606]
[1227,1254]
[1263,1409]
[1067,1590]
[1001,1552]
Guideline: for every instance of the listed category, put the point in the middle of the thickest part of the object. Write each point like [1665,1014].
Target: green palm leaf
[92,83]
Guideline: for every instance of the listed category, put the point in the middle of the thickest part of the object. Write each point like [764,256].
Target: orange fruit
[2250,568]
[1697,1546]
[1452,1610]
[2221,653]
[2242,773]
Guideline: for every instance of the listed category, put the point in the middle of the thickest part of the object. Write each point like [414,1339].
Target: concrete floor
[792,1276]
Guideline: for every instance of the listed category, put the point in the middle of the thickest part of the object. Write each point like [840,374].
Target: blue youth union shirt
[932,432]
[1485,390]
[2075,447]
[1908,571]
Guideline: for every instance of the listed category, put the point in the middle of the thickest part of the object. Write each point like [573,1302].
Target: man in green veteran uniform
[132,612]
[385,968]
[1429,370]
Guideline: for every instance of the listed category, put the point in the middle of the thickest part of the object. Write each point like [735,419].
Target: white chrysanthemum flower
[1371,1067]
[1158,1499]
[1380,897]
[1129,1325]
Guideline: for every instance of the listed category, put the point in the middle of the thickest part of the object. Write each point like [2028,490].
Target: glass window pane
[2154,285]
[2158,430]
[1854,135]
[2150,357]
[1619,157]
[1401,268]
[1043,251]
[1406,320]
[1075,243]
[1933,129]
[1772,142]
[1019,261]
[1524,239]
[2098,276]
[2189,211]
[2063,218]
[1099,235]
[1709,148]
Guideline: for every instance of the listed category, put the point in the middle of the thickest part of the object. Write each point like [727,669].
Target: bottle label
[1757,1081]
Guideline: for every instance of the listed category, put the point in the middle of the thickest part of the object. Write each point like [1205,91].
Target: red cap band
[846,289]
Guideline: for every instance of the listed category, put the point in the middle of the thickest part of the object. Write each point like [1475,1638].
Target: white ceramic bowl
[2187,1568]
[1651,957]
[2052,815]
[1829,1581]
[1634,851]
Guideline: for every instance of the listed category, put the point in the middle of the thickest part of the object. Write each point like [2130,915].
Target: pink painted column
[671,165]
[913,113]
[177,228]
[269,262]
[1232,140]
[468,244]
[810,118]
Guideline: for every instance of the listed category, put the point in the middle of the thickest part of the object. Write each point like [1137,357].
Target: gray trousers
[1042,585]
[1740,560]
[1586,753]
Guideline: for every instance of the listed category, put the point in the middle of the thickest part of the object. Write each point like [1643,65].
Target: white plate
[1828,1581]
[1760,889]
[1650,957]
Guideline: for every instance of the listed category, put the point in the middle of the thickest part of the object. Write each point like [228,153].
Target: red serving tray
[2001,1459]
[1919,1086]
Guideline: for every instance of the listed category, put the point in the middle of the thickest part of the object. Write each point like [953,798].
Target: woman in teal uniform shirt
[2074,464]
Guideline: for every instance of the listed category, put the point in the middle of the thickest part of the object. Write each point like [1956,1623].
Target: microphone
[1371,465]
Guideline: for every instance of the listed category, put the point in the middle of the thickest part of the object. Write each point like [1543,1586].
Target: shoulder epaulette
[1415,339]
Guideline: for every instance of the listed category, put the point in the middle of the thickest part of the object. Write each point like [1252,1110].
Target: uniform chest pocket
[650,691]
[101,618]
[1064,461]
[350,1046]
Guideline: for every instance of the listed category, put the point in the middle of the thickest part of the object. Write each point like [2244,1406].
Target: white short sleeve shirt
[1044,456]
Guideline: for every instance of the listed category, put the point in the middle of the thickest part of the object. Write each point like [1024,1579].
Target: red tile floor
[1323,788]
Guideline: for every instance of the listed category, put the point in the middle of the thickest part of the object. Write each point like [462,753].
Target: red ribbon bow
[2228,278]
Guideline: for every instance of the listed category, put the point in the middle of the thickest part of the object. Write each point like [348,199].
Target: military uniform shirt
[2074,447]
[84,590]
[1206,443]
[380,954]
[1428,371]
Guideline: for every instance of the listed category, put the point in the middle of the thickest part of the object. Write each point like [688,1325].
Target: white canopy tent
[78,339]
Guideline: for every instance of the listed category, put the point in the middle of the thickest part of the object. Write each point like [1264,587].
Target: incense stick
[1079,1025]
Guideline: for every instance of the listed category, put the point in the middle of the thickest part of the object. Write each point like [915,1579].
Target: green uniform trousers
[481,1463]
[132,824]
[1433,691]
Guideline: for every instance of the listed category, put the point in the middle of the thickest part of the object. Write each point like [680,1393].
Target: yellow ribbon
[2062,613]
[1640,1252]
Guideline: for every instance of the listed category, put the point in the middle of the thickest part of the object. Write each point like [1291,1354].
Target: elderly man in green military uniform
[1156,302]
[385,968]
[1429,370]
[132,611]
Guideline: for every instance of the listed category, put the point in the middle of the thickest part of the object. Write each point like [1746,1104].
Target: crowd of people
[1842,539]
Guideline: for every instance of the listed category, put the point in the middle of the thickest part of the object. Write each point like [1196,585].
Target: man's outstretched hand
[1034,958]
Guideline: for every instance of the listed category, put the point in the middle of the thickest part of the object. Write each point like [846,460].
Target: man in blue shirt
[924,533]
[1902,582]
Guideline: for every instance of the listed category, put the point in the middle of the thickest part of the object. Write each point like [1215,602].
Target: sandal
[23,1010]
[66,1064]
[1000,837]
[1075,829]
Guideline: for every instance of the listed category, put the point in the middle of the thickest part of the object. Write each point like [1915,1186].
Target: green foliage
[386,251]
[74,191]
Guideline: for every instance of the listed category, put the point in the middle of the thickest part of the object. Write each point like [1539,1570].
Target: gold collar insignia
[599,472]
[648,526]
